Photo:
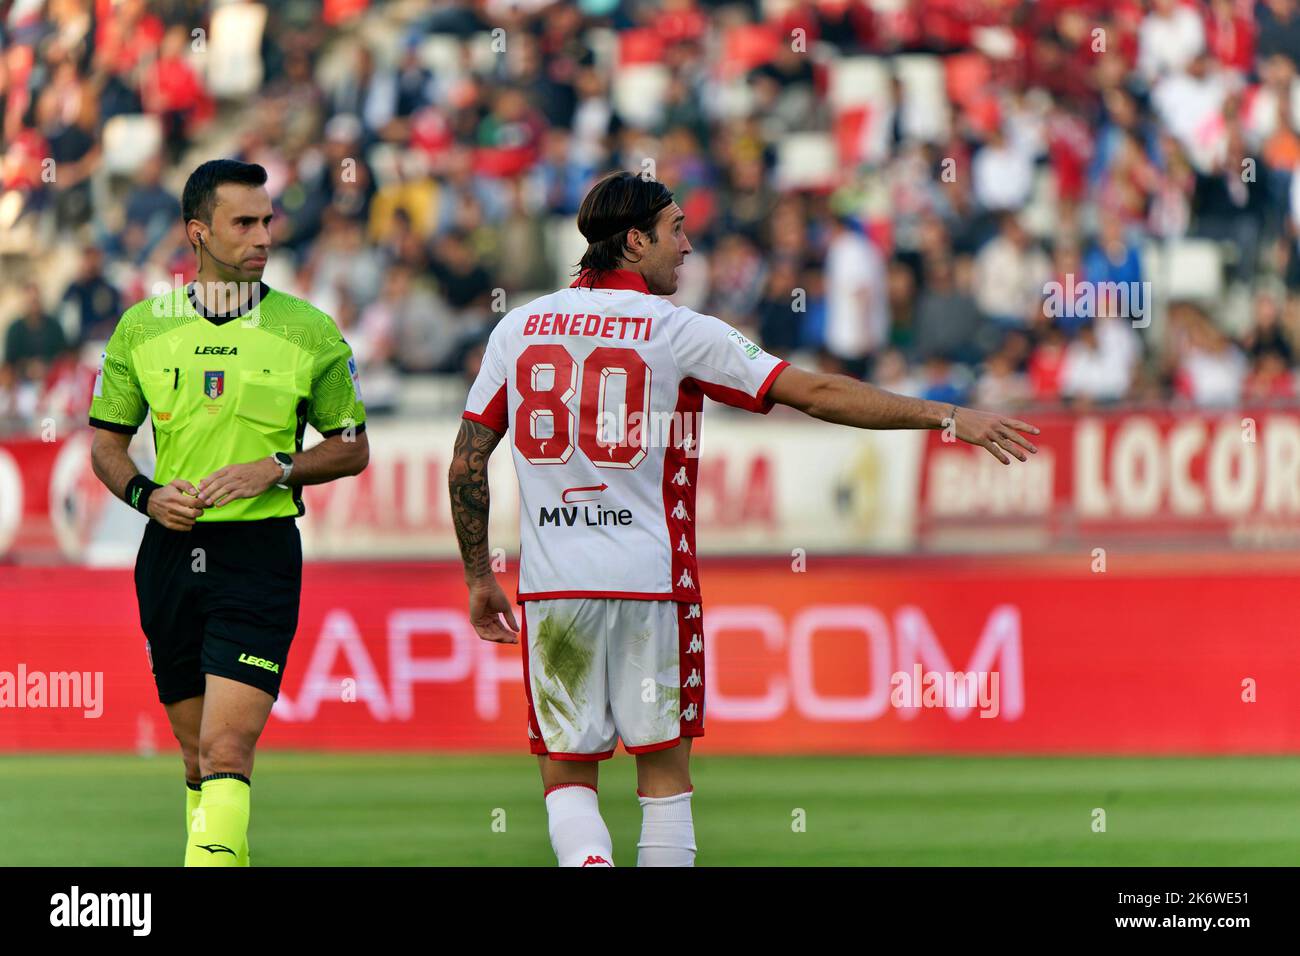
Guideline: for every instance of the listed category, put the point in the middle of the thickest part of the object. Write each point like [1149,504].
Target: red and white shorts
[597,670]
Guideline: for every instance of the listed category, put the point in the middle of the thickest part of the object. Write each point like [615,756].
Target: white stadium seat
[130,140]
[806,160]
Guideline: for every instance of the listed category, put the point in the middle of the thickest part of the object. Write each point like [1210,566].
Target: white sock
[578,834]
[667,832]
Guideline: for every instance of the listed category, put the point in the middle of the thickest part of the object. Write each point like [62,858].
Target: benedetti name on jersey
[580,378]
[635,327]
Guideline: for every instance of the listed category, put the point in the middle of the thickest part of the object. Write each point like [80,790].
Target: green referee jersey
[226,389]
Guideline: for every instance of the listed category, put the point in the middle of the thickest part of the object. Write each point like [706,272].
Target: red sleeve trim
[737,398]
[494,415]
[767,385]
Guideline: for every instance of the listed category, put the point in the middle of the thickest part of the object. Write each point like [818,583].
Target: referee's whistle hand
[175,506]
[488,604]
[238,481]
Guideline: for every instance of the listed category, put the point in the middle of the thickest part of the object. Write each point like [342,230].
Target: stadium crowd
[888,188]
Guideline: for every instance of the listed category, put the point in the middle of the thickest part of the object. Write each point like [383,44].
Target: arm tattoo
[468,484]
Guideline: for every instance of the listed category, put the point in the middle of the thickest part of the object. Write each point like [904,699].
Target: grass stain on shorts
[566,665]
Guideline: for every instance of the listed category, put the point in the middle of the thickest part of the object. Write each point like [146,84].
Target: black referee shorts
[221,598]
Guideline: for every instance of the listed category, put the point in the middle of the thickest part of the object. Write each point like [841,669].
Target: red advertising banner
[1149,656]
[1202,478]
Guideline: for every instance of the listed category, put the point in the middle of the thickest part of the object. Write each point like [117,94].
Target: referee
[231,372]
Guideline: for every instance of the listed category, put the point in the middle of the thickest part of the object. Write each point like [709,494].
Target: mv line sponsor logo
[1084,299]
[66,690]
[592,516]
[76,909]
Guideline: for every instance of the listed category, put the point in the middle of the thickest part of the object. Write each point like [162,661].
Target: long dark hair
[619,202]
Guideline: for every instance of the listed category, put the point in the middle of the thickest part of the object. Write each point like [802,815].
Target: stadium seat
[234,57]
[747,47]
[563,237]
[860,81]
[967,75]
[807,161]
[638,92]
[923,80]
[130,139]
[1184,268]
[440,52]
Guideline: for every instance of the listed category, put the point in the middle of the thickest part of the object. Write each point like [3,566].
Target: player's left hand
[997,433]
[487,605]
[238,481]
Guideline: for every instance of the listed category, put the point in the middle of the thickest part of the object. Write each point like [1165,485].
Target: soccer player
[611,621]
[230,372]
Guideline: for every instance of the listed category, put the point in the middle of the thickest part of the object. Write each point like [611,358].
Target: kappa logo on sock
[216,848]
[596,861]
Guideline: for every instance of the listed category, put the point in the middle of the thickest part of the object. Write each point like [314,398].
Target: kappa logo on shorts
[696,645]
[594,860]
[261,662]
[693,613]
[694,680]
[690,713]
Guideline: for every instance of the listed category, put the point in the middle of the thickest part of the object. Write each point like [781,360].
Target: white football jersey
[602,390]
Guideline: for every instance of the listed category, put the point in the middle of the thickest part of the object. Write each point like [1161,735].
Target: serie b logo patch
[214,383]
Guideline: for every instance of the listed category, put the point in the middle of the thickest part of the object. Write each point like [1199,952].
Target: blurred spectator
[1171,35]
[1010,275]
[1001,386]
[1003,174]
[150,205]
[172,89]
[1279,29]
[33,341]
[1267,335]
[1114,261]
[1211,370]
[947,320]
[91,304]
[1098,364]
[857,297]
[778,321]
[941,381]
[1046,364]
[893,373]
[1269,379]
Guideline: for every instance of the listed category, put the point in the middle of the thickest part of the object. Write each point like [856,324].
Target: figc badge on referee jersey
[214,383]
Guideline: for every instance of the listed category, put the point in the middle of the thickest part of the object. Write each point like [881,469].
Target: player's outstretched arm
[467,482]
[846,401]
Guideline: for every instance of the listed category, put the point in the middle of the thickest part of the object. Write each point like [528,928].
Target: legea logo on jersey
[214,384]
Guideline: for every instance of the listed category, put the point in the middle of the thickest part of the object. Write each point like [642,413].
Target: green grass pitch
[467,810]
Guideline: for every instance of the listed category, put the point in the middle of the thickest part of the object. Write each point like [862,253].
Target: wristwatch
[286,466]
